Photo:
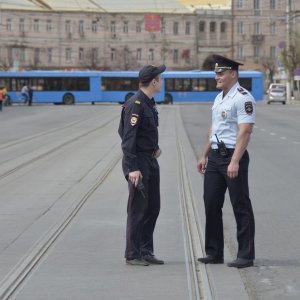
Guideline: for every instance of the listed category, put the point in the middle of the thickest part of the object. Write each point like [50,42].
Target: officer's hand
[233,169]
[134,177]
[201,165]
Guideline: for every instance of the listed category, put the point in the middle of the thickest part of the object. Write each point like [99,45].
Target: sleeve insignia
[133,120]
[242,91]
[249,107]
[137,102]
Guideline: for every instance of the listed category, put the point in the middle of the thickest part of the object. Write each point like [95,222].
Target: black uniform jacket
[138,129]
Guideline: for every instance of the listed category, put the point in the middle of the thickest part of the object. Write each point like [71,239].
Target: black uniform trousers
[142,212]
[216,183]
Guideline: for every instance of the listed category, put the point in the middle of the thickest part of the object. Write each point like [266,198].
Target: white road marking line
[283,137]
[272,133]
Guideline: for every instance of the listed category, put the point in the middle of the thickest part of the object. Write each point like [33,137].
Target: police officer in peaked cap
[138,130]
[224,163]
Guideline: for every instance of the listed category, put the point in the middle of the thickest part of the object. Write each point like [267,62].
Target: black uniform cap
[223,63]
[149,72]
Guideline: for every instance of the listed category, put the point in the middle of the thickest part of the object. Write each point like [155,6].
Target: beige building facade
[253,32]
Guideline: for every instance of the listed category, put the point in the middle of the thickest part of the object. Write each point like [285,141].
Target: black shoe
[136,262]
[153,260]
[241,263]
[209,259]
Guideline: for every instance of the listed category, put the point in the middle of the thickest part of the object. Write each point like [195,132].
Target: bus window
[211,84]
[120,83]
[246,83]
[186,84]
[202,85]
[169,84]
[178,84]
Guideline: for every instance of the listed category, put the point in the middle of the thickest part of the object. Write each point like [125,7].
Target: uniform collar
[145,98]
[231,92]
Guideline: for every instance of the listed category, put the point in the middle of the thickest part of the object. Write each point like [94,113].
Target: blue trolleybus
[200,86]
[70,87]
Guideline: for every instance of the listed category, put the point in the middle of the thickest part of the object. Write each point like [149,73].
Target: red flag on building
[152,22]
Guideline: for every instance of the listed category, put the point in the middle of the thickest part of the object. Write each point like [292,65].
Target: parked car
[277,94]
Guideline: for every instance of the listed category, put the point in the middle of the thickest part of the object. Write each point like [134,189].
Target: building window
[8,24]
[187,28]
[272,4]
[126,56]
[68,26]
[113,54]
[223,27]
[240,28]
[94,26]
[212,30]
[139,54]
[22,55]
[49,55]
[256,52]
[240,52]
[163,25]
[81,55]
[36,25]
[240,3]
[201,26]
[94,55]
[273,28]
[113,27]
[175,55]
[151,55]
[139,26]
[125,27]
[212,27]
[272,52]
[68,55]
[256,28]
[22,25]
[36,55]
[175,28]
[256,4]
[49,25]
[81,27]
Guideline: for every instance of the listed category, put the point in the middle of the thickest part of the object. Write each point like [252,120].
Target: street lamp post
[288,48]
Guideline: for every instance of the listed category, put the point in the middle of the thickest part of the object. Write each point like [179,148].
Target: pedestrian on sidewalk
[2,95]
[139,133]
[224,163]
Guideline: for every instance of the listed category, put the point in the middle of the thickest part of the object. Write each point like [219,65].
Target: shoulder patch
[249,107]
[134,119]
[242,91]
[137,102]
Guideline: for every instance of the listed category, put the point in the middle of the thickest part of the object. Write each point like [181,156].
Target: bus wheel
[128,96]
[168,99]
[68,99]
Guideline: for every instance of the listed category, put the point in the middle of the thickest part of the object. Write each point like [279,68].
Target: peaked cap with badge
[149,72]
[223,63]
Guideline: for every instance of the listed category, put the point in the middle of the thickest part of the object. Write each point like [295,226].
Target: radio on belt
[221,147]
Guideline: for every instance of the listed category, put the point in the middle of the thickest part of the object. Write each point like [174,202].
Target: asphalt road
[51,156]
[274,182]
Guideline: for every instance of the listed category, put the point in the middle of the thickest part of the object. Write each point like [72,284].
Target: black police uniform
[139,132]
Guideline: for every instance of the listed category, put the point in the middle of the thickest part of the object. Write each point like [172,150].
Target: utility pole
[232,29]
[288,49]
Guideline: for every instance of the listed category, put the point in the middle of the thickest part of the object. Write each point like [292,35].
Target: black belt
[148,153]
[229,150]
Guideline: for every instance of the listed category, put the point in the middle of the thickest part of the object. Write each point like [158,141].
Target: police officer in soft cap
[139,133]
[224,163]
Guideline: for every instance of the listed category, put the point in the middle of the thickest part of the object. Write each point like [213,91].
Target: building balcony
[257,39]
